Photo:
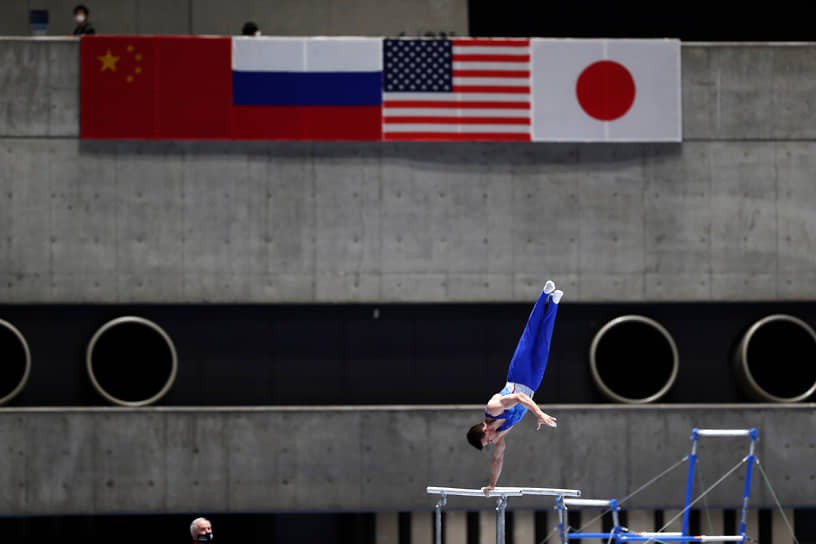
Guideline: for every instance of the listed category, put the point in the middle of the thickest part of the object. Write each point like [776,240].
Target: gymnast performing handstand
[507,407]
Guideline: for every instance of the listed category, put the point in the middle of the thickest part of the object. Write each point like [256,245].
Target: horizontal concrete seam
[407,145]
[799,407]
[682,43]
[747,44]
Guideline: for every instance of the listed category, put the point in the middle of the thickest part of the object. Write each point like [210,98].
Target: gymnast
[507,407]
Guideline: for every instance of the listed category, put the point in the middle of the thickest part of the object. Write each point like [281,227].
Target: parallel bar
[503,491]
[549,491]
[462,492]
[679,538]
[588,502]
[724,432]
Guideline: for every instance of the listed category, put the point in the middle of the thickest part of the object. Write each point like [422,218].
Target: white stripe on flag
[267,54]
[489,50]
[454,112]
[344,54]
[459,97]
[505,81]
[510,66]
[428,127]
[272,54]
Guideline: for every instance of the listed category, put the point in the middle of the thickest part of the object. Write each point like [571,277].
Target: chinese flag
[147,87]
[117,87]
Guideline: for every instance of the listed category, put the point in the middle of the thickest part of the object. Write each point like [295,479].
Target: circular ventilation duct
[633,359]
[131,361]
[775,360]
[15,362]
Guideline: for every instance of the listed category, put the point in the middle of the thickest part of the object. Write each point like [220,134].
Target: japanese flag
[606,90]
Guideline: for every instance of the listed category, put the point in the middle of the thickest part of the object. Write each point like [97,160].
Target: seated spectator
[250,29]
[81,18]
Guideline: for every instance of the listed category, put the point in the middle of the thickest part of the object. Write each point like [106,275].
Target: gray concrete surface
[726,215]
[381,458]
[283,18]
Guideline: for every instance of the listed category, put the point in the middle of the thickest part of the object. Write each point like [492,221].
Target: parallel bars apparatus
[621,535]
[500,493]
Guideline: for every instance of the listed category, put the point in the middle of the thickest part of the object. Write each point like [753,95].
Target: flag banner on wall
[231,88]
[307,88]
[460,89]
[606,90]
[374,89]
[137,87]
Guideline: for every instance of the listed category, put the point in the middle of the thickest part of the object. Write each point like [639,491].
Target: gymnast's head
[481,435]
[475,435]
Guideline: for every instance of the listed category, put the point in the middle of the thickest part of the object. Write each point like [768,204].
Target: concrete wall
[727,215]
[278,17]
[233,460]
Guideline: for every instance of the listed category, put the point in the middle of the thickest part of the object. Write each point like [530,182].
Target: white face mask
[79,18]
[257,32]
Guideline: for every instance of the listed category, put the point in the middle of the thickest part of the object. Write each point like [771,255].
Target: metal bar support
[501,506]
[438,517]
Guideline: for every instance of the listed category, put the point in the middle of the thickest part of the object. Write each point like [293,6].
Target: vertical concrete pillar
[487,527]
[455,527]
[524,527]
[677,524]
[640,520]
[386,528]
[780,532]
[591,521]
[752,524]
[421,527]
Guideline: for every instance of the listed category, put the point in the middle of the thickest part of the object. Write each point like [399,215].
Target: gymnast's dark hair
[83,8]
[475,435]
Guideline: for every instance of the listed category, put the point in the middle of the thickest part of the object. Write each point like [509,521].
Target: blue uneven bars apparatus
[499,493]
[622,534]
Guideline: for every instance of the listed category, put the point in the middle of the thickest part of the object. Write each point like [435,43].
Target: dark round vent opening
[131,361]
[15,362]
[633,359]
[777,360]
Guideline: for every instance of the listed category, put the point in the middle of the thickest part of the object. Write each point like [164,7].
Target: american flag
[460,89]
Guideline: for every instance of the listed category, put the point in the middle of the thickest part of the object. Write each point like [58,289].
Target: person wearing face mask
[201,530]
[83,26]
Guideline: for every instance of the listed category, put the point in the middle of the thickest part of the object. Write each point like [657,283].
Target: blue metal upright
[623,535]
[751,459]
[690,483]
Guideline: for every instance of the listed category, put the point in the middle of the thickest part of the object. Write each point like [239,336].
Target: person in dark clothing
[250,29]
[83,26]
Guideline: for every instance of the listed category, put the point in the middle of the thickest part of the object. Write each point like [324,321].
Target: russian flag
[307,88]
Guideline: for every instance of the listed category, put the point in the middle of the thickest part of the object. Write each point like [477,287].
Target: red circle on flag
[605,90]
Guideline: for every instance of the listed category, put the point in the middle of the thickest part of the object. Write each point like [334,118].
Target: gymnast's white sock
[556,296]
[549,287]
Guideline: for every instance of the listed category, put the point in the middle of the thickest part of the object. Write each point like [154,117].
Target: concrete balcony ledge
[380,458]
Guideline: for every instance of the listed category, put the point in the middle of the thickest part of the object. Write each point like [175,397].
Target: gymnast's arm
[509,401]
[495,465]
